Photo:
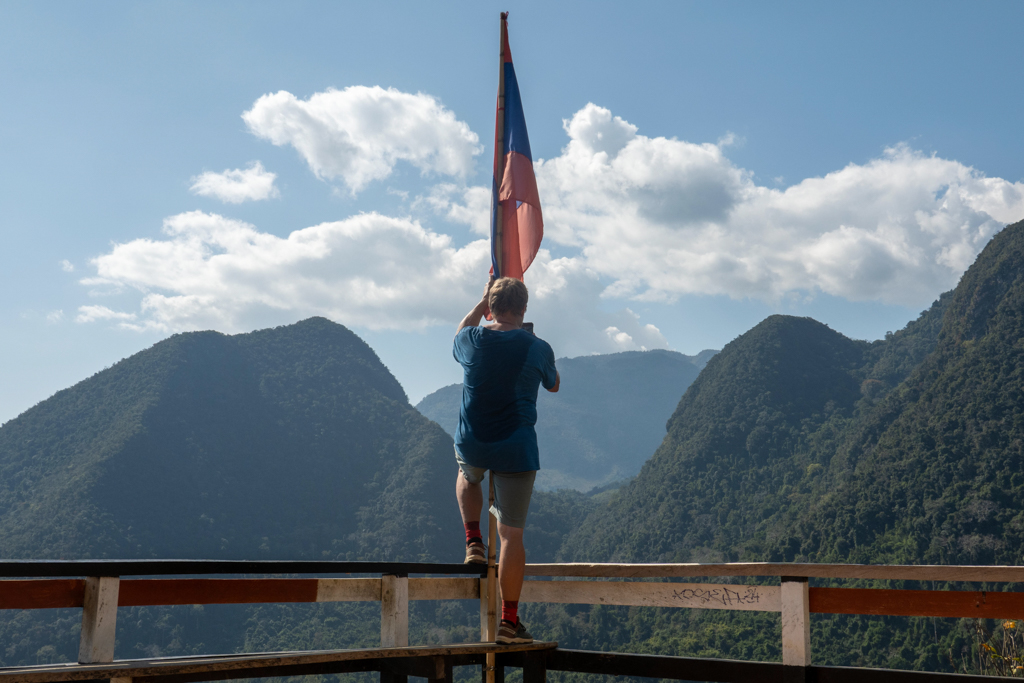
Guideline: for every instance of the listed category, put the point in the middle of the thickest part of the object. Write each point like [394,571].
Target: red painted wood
[903,603]
[214,591]
[41,593]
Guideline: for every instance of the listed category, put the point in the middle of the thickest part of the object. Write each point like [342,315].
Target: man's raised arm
[472,318]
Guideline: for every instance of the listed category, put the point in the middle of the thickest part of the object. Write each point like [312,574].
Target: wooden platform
[395,664]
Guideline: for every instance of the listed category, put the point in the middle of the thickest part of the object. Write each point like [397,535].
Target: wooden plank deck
[260,664]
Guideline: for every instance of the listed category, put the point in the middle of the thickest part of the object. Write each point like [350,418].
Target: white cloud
[67,266]
[459,204]
[630,217]
[662,217]
[238,185]
[358,134]
[567,309]
[91,314]
[54,317]
[374,271]
[369,270]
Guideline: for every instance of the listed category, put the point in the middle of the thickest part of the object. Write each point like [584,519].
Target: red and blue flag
[517,226]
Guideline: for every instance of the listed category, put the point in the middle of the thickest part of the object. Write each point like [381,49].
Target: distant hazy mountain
[605,421]
[293,442]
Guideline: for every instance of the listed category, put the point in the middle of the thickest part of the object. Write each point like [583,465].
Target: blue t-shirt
[499,397]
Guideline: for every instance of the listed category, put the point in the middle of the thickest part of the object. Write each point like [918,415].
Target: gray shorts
[512,491]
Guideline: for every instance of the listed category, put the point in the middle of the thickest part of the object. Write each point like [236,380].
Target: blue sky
[705,165]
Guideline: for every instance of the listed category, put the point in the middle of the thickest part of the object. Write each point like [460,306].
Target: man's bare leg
[470,497]
[512,566]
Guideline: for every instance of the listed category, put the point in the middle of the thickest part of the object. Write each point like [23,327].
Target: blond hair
[508,296]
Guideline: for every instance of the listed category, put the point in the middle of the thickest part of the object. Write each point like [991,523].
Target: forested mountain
[293,442]
[798,444]
[604,422]
[287,443]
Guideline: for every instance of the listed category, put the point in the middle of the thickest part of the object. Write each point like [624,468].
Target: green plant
[994,653]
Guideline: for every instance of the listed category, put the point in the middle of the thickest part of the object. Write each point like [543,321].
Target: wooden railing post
[394,611]
[493,590]
[484,609]
[99,620]
[796,626]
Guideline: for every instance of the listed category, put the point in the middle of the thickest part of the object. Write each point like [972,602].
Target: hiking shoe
[476,553]
[509,633]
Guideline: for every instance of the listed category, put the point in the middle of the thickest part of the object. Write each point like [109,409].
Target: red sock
[510,610]
[473,532]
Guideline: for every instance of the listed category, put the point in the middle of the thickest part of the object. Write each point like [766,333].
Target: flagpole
[499,146]
[492,524]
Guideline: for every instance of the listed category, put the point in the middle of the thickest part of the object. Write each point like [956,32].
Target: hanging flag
[516,223]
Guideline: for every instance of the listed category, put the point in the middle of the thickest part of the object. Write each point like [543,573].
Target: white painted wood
[1004,573]
[446,588]
[491,619]
[796,623]
[99,620]
[484,609]
[646,594]
[348,590]
[394,611]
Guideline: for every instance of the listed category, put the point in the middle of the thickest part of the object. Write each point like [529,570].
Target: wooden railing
[98,587]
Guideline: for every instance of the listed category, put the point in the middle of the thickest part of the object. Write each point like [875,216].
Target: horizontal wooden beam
[135,592]
[1008,574]
[850,674]
[56,593]
[348,590]
[42,593]
[644,594]
[658,666]
[267,671]
[690,668]
[122,568]
[906,603]
[444,588]
[218,667]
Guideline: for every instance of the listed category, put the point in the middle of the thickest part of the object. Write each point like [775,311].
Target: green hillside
[287,443]
[294,442]
[798,444]
[943,480]
[605,421]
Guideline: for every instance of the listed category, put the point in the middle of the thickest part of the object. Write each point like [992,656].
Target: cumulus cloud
[662,217]
[460,204]
[90,314]
[374,271]
[54,317]
[67,266]
[567,309]
[358,134]
[238,185]
[627,217]
[216,272]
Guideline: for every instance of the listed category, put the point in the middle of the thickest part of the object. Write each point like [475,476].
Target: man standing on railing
[503,366]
